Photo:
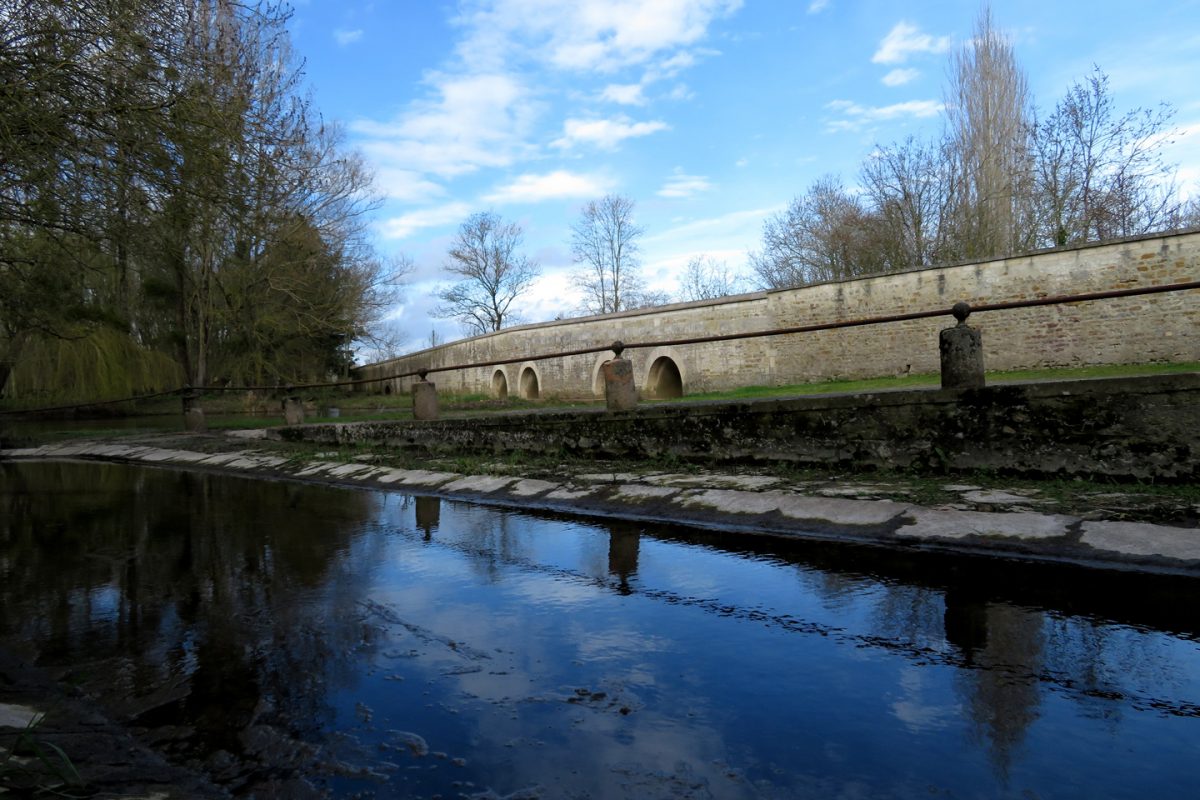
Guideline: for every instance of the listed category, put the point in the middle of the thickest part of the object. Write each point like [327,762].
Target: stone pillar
[424,399]
[193,414]
[620,392]
[293,410]
[962,353]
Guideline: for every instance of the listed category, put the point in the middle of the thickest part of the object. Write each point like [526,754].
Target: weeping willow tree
[102,364]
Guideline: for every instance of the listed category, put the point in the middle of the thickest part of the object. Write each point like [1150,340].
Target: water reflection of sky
[428,647]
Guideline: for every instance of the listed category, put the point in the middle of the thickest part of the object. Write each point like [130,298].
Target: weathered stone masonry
[1144,428]
[1154,328]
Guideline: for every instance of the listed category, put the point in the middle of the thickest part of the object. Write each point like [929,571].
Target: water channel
[367,644]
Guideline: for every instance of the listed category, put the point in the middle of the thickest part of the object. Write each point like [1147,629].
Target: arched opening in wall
[500,385]
[664,381]
[598,376]
[387,388]
[529,384]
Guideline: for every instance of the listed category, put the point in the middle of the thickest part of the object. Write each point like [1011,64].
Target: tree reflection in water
[180,600]
[273,631]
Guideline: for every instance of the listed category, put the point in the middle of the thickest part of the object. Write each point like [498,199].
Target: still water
[283,636]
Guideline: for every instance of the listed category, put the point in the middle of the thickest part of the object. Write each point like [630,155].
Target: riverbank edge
[81,751]
[1013,527]
[1143,428]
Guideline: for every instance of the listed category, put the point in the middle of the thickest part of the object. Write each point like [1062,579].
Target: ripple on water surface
[286,636]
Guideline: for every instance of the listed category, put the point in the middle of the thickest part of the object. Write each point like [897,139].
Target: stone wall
[1153,328]
[1126,428]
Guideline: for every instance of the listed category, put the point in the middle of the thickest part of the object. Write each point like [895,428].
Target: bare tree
[1188,216]
[605,243]
[909,185]
[705,278]
[493,273]
[647,298]
[1101,174]
[826,234]
[988,118]
[997,182]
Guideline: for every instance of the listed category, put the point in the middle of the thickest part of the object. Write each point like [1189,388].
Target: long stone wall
[1152,328]
[1144,428]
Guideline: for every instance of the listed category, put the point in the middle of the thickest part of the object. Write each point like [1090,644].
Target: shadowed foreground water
[296,640]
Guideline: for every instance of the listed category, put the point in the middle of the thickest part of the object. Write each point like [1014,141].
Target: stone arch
[500,385]
[531,382]
[598,374]
[664,375]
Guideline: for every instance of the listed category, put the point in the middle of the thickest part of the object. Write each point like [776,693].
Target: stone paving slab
[530,487]
[485,484]
[995,498]
[711,481]
[424,477]
[637,491]
[735,503]
[569,493]
[799,507]
[955,524]
[1143,539]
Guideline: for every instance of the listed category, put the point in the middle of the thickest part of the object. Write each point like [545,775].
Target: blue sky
[709,114]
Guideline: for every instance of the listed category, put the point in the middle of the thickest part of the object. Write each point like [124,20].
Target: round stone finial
[961,311]
[618,347]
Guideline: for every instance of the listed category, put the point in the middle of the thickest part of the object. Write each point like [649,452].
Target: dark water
[17,431]
[379,645]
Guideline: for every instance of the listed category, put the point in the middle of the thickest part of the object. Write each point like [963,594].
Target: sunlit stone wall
[1153,328]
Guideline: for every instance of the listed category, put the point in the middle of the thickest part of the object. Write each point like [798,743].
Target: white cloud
[735,222]
[900,76]
[552,295]
[727,238]
[605,133]
[672,66]
[482,107]
[407,224]
[1182,147]
[475,121]
[906,39]
[817,6]
[626,94]
[591,35]
[345,37]
[557,185]
[683,185]
[406,185]
[680,92]
[855,116]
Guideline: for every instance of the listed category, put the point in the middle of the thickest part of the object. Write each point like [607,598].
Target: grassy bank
[933,379]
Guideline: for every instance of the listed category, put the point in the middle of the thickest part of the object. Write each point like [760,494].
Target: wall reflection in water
[292,638]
